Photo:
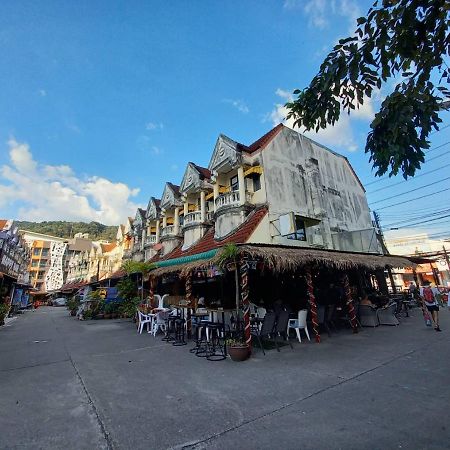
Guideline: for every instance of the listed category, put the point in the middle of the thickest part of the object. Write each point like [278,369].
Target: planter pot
[73,313]
[115,316]
[239,353]
[108,316]
[99,316]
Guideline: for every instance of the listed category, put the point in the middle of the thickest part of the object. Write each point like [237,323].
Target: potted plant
[4,308]
[73,304]
[238,349]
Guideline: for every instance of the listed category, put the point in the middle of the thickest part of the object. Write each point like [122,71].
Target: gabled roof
[207,242]
[174,187]
[203,171]
[108,247]
[263,141]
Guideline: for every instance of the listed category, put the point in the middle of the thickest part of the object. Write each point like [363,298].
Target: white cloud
[42,92]
[157,151]
[45,192]
[340,135]
[151,126]
[240,105]
[319,12]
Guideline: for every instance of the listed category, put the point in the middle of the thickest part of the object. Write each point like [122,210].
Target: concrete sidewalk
[98,384]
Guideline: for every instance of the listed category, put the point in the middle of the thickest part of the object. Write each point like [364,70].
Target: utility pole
[446,259]
[384,249]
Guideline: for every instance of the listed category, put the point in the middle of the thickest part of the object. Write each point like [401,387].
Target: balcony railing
[150,240]
[168,230]
[193,218]
[228,199]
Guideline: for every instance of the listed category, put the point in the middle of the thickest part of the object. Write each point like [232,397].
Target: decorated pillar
[151,294]
[158,231]
[185,208]
[215,193]
[203,206]
[349,303]
[245,301]
[241,181]
[312,304]
[176,221]
[189,298]
[164,220]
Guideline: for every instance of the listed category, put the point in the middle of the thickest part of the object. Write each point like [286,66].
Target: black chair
[267,329]
[281,328]
[321,318]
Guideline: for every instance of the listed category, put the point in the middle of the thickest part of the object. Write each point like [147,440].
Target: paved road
[97,384]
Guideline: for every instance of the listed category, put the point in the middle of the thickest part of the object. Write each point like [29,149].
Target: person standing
[431,303]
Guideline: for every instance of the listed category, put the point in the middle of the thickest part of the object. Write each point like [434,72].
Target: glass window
[45,252]
[36,251]
[256,182]
[234,183]
[300,232]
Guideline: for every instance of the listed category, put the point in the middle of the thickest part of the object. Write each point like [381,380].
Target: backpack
[428,295]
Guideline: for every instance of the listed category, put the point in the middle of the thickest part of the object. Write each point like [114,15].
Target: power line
[428,160]
[412,199]
[425,221]
[418,217]
[409,179]
[412,190]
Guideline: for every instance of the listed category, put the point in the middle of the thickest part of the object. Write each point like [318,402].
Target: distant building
[14,258]
[420,245]
[47,260]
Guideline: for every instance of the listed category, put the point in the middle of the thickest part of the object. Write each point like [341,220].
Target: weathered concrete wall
[304,177]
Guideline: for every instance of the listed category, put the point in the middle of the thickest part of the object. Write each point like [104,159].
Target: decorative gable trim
[152,209]
[225,154]
[191,179]
[169,198]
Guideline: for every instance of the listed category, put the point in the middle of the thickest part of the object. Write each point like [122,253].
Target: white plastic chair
[299,324]
[261,312]
[161,301]
[160,322]
[143,320]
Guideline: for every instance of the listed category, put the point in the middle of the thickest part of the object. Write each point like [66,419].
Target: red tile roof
[174,187]
[264,140]
[204,172]
[207,242]
[3,222]
[108,247]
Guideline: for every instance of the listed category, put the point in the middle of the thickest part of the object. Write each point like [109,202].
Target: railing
[210,216]
[149,240]
[193,217]
[168,230]
[228,199]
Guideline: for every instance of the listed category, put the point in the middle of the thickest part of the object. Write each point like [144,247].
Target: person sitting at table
[366,300]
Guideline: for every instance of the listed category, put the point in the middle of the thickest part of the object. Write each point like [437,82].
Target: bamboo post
[312,304]
[349,303]
[188,285]
[245,302]
[152,290]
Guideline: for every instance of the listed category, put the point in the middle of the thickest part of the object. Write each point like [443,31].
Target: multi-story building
[76,260]
[47,260]
[14,258]
[304,194]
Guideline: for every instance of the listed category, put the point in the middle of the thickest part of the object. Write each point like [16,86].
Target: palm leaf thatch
[288,259]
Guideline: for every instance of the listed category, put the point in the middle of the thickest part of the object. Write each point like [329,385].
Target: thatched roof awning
[284,258]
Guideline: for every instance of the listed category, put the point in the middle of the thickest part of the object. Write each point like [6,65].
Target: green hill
[62,229]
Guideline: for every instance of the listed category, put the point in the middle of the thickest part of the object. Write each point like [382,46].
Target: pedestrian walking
[431,304]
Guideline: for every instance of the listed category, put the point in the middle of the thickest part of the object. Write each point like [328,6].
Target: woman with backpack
[430,301]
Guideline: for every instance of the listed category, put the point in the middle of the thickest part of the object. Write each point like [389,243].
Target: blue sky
[102,102]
